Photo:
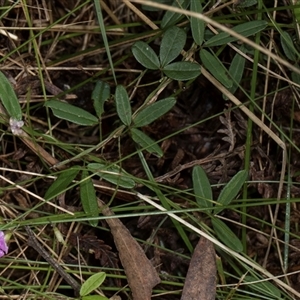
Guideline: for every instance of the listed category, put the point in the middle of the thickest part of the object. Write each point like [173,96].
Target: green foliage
[264,287]
[145,55]
[9,98]
[112,174]
[215,67]
[94,297]
[153,111]
[145,142]
[92,283]
[171,18]
[172,44]
[100,94]
[182,70]
[246,3]
[236,70]
[100,19]
[197,26]
[226,235]
[88,198]
[71,113]
[150,8]
[288,46]
[296,10]
[61,183]
[296,77]
[230,190]
[123,105]
[203,194]
[245,29]
[202,188]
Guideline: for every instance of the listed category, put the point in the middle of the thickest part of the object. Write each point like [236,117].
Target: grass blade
[104,36]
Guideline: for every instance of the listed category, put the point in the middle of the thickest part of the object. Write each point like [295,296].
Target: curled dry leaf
[141,275]
[200,282]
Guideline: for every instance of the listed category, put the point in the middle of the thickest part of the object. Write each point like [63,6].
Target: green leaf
[288,46]
[151,8]
[9,98]
[230,190]
[123,105]
[101,23]
[145,55]
[226,236]
[265,287]
[296,10]
[236,70]
[61,183]
[202,188]
[295,76]
[197,26]
[182,70]
[112,174]
[172,44]
[92,283]
[100,94]
[246,3]
[246,29]
[94,297]
[71,113]
[215,67]
[170,18]
[146,142]
[88,198]
[153,111]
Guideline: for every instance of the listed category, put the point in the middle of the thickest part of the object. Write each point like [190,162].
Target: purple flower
[3,245]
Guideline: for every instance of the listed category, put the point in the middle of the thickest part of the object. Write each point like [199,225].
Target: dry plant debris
[54,50]
[141,274]
[200,281]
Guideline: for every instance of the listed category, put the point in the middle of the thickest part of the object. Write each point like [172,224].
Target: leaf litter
[200,281]
[207,143]
[141,275]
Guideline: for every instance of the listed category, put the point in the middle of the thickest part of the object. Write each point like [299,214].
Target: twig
[35,244]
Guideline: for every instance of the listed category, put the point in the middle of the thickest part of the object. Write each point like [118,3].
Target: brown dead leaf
[200,282]
[141,275]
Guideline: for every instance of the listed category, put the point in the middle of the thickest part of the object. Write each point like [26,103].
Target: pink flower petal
[3,245]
